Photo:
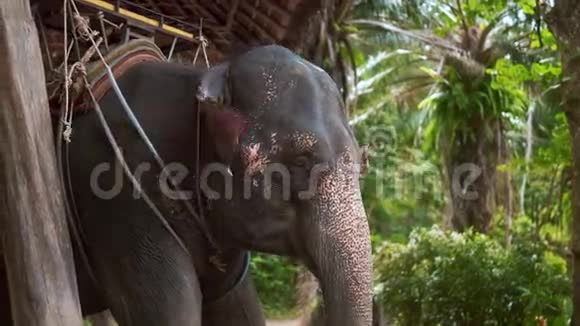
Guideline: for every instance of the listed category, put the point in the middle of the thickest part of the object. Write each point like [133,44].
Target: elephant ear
[213,86]
[225,127]
[223,123]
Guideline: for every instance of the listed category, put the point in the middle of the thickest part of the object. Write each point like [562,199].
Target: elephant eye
[302,161]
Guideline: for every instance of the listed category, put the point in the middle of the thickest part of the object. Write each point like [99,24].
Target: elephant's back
[162,97]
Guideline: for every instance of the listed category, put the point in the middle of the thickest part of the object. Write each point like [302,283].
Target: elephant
[262,149]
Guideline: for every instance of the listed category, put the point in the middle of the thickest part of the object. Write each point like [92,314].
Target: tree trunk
[564,20]
[504,195]
[471,161]
[35,240]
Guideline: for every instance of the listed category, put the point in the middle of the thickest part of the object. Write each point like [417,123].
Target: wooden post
[35,240]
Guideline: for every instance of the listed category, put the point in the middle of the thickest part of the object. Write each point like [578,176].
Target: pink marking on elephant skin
[254,158]
[303,141]
[226,127]
[347,232]
[275,148]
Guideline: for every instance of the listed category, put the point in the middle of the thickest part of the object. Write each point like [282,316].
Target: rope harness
[83,31]
[203,43]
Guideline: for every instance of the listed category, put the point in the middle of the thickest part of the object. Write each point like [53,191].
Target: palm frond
[420,36]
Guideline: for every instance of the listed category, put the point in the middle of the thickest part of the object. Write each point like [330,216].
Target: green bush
[275,279]
[447,278]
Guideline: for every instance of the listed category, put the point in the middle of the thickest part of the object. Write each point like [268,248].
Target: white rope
[127,170]
[80,27]
[67,114]
[203,43]
[66,129]
[88,34]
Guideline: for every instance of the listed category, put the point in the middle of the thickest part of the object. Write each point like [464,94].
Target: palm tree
[450,47]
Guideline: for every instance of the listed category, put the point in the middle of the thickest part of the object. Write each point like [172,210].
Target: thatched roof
[244,21]
[308,27]
[230,25]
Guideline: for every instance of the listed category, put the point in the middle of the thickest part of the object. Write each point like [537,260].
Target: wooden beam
[35,239]
[218,15]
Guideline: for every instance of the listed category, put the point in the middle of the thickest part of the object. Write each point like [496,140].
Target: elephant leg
[148,281]
[239,307]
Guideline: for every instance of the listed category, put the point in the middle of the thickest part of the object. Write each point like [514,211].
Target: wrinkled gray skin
[296,118]
[275,108]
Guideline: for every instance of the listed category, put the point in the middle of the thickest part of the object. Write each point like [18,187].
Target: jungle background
[469,190]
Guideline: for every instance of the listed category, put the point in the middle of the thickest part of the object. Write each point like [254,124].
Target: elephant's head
[289,179]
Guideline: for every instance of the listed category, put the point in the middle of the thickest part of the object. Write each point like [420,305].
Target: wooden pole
[35,240]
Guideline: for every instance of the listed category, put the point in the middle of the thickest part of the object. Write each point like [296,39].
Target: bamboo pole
[35,241]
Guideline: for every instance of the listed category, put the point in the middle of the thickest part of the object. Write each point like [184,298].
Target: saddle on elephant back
[273,96]
[120,58]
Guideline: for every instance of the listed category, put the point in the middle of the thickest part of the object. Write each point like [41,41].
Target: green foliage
[402,188]
[510,76]
[409,99]
[557,150]
[458,105]
[469,276]
[446,278]
[275,280]
[547,199]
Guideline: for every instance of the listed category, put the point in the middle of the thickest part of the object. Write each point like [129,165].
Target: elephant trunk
[342,255]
